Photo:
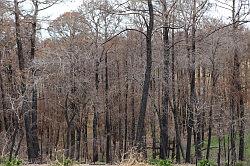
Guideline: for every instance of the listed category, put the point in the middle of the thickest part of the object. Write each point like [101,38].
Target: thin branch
[128,29]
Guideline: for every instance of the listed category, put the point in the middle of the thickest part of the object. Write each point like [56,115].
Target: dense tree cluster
[160,77]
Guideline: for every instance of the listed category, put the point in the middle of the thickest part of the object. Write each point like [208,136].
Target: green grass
[215,144]
[248,148]
[6,162]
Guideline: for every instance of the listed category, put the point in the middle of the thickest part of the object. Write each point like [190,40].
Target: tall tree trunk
[153,118]
[198,142]
[78,143]
[210,125]
[175,112]
[120,114]
[95,118]
[107,114]
[95,145]
[153,135]
[85,138]
[140,137]
[165,108]
[126,119]
[2,97]
[126,106]
[236,100]
[72,141]
[192,85]
[30,119]
[133,113]
[34,126]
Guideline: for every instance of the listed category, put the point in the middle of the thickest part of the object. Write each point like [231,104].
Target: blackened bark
[242,129]
[95,146]
[107,114]
[232,133]
[34,127]
[165,100]
[153,135]
[120,115]
[192,85]
[126,120]
[3,102]
[140,137]
[70,135]
[72,142]
[67,143]
[85,138]
[175,112]
[120,133]
[209,131]
[78,143]
[30,117]
[95,118]
[18,36]
[133,113]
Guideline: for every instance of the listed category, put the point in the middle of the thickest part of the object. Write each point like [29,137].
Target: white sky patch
[58,9]
[55,11]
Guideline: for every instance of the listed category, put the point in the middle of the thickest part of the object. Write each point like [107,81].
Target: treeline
[160,78]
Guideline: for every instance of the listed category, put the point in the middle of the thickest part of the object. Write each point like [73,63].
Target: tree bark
[107,114]
[175,111]
[140,137]
[165,107]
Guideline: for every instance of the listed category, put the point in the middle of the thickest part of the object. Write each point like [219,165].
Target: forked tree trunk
[30,118]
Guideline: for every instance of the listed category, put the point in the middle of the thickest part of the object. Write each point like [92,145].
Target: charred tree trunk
[107,114]
[133,114]
[78,143]
[85,138]
[30,118]
[192,85]
[175,112]
[34,141]
[120,115]
[126,121]
[95,118]
[140,131]
[95,145]
[6,124]
[165,107]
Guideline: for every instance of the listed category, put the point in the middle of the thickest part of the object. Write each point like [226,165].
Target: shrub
[206,163]
[160,162]
[12,162]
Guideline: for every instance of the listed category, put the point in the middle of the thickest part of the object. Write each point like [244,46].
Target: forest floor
[105,165]
[213,143]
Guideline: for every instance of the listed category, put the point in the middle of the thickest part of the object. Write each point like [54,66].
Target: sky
[55,11]
[69,5]
[60,8]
